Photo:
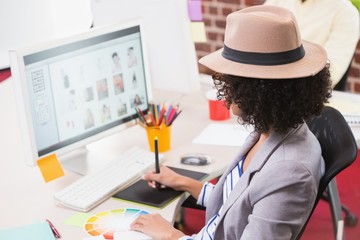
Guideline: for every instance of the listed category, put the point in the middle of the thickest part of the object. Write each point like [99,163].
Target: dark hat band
[264,59]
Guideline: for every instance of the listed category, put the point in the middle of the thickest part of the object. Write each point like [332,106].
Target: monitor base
[82,161]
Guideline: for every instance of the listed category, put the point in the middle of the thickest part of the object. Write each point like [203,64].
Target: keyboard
[94,188]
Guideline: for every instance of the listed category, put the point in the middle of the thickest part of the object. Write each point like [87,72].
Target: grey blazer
[275,194]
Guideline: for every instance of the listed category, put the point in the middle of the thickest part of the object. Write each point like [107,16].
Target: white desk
[26,198]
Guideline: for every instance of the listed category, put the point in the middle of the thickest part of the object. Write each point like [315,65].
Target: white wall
[25,22]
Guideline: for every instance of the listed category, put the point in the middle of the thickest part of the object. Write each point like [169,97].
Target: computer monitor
[76,90]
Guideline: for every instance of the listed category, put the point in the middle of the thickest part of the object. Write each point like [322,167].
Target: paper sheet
[78,219]
[101,237]
[198,31]
[223,134]
[130,235]
[346,106]
[346,103]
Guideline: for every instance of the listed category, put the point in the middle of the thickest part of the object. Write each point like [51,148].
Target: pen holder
[163,133]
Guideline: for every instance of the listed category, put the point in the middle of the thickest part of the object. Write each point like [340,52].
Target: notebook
[141,193]
[36,231]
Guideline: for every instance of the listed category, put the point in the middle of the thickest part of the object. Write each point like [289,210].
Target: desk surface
[26,198]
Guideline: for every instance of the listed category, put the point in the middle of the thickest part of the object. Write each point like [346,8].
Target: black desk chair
[339,150]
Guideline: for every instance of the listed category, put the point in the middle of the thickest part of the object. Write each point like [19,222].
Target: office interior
[28,199]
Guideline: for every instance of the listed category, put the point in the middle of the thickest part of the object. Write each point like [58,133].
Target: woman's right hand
[169,178]
[166,177]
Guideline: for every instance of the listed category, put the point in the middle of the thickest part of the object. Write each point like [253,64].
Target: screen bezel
[24,109]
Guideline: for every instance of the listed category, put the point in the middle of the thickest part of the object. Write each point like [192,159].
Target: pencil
[156,114]
[175,116]
[162,112]
[142,115]
[171,115]
[151,116]
[157,164]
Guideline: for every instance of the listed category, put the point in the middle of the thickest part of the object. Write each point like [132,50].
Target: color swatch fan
[114,224]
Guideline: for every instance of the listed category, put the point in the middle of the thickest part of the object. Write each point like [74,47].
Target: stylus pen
[157,164]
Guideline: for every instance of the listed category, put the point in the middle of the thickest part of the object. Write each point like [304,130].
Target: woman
[274,81]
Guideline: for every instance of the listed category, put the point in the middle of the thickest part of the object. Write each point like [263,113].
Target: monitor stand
[98,154]
[83,161]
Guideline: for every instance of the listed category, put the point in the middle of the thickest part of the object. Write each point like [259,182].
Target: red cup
[217,108]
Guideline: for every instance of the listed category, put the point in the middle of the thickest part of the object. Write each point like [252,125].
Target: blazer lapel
[214,206]
[259,160]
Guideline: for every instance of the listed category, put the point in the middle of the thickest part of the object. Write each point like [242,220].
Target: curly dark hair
[275,104]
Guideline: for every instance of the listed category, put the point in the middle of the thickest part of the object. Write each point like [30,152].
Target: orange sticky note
[50,168]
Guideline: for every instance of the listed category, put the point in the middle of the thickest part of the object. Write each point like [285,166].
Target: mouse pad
[140,192]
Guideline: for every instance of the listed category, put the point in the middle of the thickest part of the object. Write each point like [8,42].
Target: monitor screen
[81,88]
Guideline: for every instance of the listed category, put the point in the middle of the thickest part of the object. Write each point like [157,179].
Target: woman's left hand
[156,227]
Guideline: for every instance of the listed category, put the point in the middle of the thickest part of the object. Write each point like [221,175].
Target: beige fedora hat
[265,42]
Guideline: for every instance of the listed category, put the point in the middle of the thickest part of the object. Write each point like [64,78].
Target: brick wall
[214,15]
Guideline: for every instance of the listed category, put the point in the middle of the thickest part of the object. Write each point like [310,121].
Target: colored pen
[175,116]
[53,229]
[157,164]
